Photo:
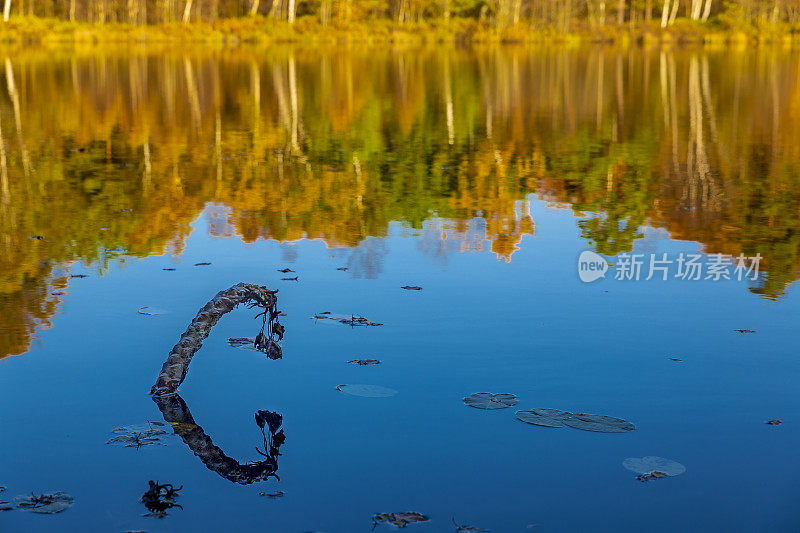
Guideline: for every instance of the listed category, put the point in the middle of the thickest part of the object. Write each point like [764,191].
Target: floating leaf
[487,400]
[45,503]
[202,264]
[273,495]
[150,311]
[365,362]
[555,418]
[367,391]
[343,269]
[599,423]
[400,519]
[411,288]
[550,418]
[138,435]
[291,279]
[285,270]
[773,422]
[745,330]
[79,276]
[675,359]
[652,465]
[168,269]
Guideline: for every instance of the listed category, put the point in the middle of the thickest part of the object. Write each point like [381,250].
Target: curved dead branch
[174,370]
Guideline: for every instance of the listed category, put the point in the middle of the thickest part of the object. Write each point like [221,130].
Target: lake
[596,230]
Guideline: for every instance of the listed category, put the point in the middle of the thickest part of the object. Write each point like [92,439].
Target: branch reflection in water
[176,412]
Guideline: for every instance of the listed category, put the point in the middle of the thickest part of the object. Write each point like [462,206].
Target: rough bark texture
[176,412]
[174,370]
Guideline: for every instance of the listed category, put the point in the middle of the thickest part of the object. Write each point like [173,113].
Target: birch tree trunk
[674,13]
[6,10]
[665,14]
[187,10]
[254,7]
[707,10]
[290,15]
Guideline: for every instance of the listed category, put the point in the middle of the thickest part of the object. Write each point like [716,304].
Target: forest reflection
[122,149]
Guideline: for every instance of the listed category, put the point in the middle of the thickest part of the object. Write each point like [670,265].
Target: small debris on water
[745,330]
[343,269]
[160,498]
[170,269]
[651,476]
[411,288]
[773,422]
[202,264]
[138,435]
[351,320]
[364,362]
[285,270]
[273,495]
[291,279]
[78,276]
[399,519]
[58,293]
[45,503]
[675,359]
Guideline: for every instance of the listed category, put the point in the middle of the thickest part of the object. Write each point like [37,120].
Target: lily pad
[555,418]
[549,418]
[487,400]
[400,519]
[599,423]
[45,503]
[653,465]
[367,391]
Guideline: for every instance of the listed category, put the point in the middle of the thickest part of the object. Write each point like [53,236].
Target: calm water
[478,175]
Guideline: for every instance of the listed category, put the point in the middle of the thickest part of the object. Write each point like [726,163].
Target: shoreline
[262,30]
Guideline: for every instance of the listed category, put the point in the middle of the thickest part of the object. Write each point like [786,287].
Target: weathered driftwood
[174,370]
[176,412]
